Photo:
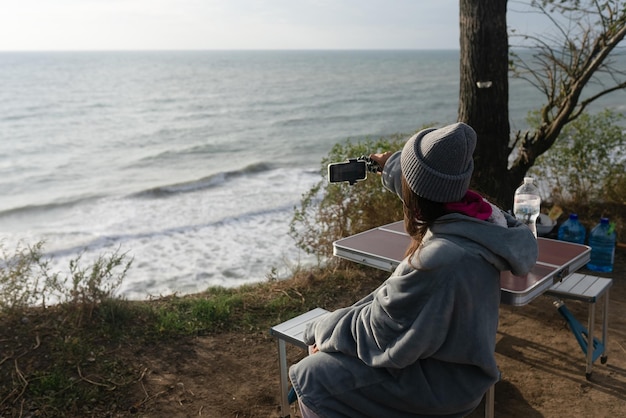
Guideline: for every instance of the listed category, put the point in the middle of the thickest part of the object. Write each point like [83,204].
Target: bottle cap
[573,216]
[604,220]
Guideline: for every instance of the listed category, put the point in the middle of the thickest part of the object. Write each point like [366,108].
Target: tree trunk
[484,94]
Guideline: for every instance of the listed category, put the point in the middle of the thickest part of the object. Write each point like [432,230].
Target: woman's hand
[313,349]
[381,159]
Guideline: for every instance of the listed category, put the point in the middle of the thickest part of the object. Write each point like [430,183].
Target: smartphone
[351,171]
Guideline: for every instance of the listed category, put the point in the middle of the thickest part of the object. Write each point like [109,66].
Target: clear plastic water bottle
[602,242]
[527,203]
[572,230]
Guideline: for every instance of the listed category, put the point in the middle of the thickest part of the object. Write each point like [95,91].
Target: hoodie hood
[487,240]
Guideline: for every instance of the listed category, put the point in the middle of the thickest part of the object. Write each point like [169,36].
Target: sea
[192,162]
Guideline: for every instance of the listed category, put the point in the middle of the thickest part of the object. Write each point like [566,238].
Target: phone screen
[351,171]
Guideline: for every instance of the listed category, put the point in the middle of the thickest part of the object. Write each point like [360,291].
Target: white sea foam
[226,235]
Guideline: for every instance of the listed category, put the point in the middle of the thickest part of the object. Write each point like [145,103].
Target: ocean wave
[176,154]
[46,207]
[24,116]
[203,183]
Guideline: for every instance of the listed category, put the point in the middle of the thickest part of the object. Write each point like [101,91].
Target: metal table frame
[383,248]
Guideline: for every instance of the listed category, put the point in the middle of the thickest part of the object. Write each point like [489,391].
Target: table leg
[284,379]
[605,325]
[489,401]
[590,340]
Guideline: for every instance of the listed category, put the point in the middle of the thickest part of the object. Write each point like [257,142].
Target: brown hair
[419,215]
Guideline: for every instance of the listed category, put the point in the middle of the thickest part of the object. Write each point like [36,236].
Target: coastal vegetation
[589,163]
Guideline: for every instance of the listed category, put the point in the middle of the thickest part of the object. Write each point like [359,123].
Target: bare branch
[561,74]
[584,103]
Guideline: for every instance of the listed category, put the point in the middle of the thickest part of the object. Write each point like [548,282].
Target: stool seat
[581,287]
[585,288]
[290,331]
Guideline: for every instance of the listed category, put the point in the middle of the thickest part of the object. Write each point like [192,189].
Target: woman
[423,343]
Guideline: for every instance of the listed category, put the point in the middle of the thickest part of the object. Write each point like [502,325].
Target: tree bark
[484,55]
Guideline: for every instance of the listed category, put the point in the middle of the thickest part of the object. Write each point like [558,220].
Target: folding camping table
[383,248]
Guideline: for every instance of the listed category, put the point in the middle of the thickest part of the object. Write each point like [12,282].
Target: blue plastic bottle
[602,242]
[572,230]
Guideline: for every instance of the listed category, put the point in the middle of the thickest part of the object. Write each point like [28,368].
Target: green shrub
[22,277]
[330,211]
[26,280]
[587,162]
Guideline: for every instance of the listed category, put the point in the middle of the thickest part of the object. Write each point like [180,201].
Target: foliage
[26,280]
[22,277]
[56,313]
[588,162]
[330,211]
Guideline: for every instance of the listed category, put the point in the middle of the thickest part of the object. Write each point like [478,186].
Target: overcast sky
[230,24]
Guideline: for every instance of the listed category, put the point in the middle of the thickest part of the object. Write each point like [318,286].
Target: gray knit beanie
[438,164]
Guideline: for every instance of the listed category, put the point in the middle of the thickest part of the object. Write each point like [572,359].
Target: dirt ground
[542,366]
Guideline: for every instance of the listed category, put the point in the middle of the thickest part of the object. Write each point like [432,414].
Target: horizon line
[232,50]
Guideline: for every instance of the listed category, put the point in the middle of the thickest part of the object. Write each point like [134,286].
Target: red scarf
[472,204]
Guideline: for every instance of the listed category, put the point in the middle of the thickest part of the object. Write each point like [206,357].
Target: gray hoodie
[423,343]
